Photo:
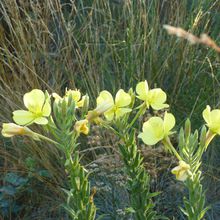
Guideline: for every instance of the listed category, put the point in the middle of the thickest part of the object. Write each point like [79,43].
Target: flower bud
[11,129]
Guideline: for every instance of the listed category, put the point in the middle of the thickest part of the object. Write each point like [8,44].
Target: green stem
[139,113]
[47,139]
[170,147]
[139,182]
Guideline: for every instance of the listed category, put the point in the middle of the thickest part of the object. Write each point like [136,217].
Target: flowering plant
[65,119]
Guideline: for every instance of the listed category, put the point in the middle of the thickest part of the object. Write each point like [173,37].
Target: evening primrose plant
[121,119]
[65,118]
[191,149]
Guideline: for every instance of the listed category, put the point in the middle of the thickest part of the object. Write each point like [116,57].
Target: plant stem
[139,181]
[139,113]
[170,147]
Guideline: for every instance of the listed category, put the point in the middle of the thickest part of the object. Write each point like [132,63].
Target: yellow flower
[100,109]
[212,119]
[182,171]
[82,126]
[11,129]
[118,109]
[76,95]
[155,98]
[156,129]
[38,109]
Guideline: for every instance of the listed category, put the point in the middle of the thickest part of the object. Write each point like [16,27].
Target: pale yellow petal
[41,121]
[34,100]
[169,122]
[121,111]
[149,138]
[142,90]
[80,103]
[109,115]
[215,116]
[152,131]
[206,114]
[155,124]
[22,117]
[182,175]
[156,98]
[176,170]
[212,119]
[11,129]
[46,109]
[82,126]
[75,94]
[106,97]
[181,171]
[122,98]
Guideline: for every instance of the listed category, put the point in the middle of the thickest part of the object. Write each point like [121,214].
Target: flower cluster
[39,110]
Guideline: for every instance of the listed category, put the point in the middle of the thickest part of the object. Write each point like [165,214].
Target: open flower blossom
[119,105]
[11,129]
[82,126]
[155,98]
[157,129]
[38,106]
[182,171]
[212,119]
[75,94]
[93,115]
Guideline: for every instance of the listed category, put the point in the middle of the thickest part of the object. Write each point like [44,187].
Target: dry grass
[203,39]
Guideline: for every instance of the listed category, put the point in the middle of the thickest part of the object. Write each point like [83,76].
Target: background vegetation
[94,45]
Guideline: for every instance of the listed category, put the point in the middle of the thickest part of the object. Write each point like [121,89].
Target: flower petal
[212,119]
[215,115]
[41,121]
[152,131]
[46,109]
[109,114]
[182,175]
[11,129]
[82,126]
[80,103]
[156,98]
[121,111]
[142,90]
[181,171]
[122,98]
[22,117]
[149,138]
[206,114]
[75,94]
[169,122]
[105,96]
[34,100]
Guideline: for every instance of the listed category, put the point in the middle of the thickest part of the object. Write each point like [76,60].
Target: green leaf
[181,139]
[187,128]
